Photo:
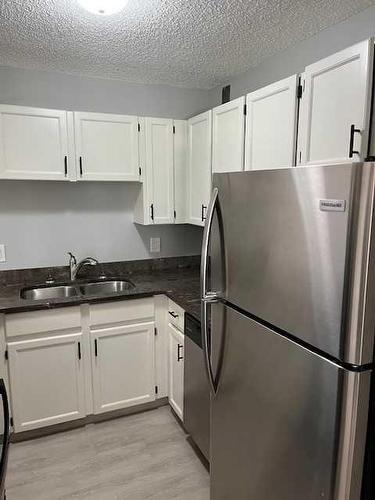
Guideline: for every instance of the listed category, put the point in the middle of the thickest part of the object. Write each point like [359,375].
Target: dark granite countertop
[179,282]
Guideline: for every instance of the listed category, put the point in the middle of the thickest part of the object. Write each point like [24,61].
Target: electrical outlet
[2,253]
[155,245]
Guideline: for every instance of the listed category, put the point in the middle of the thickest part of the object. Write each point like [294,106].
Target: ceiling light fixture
[103,7]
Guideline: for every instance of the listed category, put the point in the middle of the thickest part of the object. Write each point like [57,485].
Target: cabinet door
[271,125]
[176,370]
[33,143]
[123,366]
[228,136]
[337,96]
[107,147]
[180,170]
[199,167]
[46,381]
[159,169]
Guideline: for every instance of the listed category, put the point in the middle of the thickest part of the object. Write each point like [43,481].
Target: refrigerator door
[285,423]
[298,248]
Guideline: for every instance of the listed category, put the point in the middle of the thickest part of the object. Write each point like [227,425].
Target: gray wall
[75,93]
[296,58]
[41,221]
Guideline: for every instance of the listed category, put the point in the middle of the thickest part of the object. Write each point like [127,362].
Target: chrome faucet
[75,267]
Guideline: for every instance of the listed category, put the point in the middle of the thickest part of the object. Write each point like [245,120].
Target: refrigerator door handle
[206,348]
[206,295]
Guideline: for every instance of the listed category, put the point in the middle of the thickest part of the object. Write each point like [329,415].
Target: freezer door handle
[205,244]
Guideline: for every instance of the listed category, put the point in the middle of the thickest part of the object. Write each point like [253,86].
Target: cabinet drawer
[176,315]
[124,311]
[42,321]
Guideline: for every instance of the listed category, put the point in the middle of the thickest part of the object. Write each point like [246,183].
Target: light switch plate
[155,245]
[2,253]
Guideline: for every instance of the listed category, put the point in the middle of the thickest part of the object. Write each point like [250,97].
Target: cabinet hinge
[300,157]
[155,331]
[11,422]
[299,91]
[174,129]
[6,354]
[174,214]
[140,171]
[245,109]
[156,389]
[139,127]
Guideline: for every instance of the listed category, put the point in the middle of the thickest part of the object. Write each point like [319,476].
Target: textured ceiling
[188,43]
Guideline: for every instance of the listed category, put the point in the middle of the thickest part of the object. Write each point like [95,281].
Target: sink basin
[50,292]
[106,287]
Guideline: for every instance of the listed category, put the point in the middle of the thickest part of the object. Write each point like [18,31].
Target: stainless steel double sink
[94,288]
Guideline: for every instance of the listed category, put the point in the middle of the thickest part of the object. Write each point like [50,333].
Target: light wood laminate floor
[138,457]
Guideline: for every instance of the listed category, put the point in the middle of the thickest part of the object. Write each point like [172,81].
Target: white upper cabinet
[106,147]
[33,143]
[159,169]
[228,134]
[336,107]
[180,170]
[199,167]
[162,198]
[271,125]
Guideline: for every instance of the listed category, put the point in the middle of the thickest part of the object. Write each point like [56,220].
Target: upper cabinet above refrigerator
[335,107]
[228,132]
[271,125]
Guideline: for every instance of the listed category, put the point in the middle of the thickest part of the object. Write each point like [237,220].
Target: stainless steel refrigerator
[288,321]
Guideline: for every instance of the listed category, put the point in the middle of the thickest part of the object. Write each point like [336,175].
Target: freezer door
[299,253]
[285,423]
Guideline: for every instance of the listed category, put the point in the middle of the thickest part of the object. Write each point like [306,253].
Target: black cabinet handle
[179,357]
[173,314]
[152,211]
[202,213]
[79,350]
[96,347]
[66,165]
[80,166]
[353,131]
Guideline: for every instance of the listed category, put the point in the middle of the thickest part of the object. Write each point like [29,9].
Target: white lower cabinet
[123,365]
[176,370]
[66,363]
[46,380]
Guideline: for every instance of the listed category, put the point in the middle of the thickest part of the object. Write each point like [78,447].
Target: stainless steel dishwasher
[196,389]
